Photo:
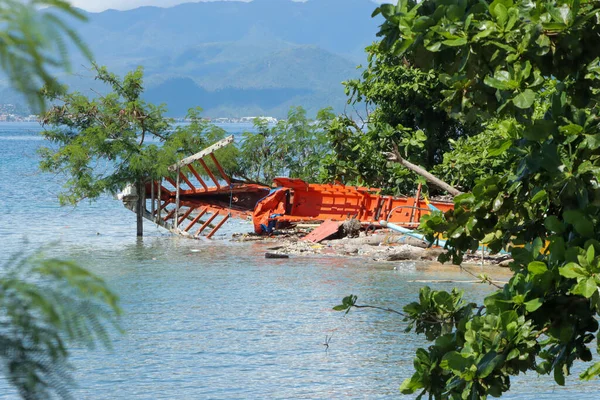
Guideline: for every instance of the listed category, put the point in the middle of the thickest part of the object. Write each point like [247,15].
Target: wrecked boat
[194,203]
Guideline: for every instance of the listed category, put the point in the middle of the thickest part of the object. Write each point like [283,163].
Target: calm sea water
[215,319]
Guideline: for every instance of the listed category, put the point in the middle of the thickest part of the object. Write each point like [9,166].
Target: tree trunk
[139,209]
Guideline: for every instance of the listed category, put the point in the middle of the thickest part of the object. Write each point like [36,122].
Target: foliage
[294,147]
[33,46]
[196,134]
[477,156]
[358,158]
[403,106]
[107,142]
[499,61]
[47,304]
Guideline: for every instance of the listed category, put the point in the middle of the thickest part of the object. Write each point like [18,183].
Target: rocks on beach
[381,246]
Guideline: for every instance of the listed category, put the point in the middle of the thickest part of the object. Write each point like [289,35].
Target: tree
[403,106]
[46,304]
[294,147]
[110,141]
[501,60]
[33,46]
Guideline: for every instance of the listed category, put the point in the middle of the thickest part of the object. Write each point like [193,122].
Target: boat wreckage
[193,203]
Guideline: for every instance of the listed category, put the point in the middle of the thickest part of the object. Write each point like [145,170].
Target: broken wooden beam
[395,156]
[188,160]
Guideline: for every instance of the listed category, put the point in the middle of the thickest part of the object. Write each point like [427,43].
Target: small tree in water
[110,141]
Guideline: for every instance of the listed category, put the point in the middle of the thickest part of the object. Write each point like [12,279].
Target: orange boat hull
[295,200]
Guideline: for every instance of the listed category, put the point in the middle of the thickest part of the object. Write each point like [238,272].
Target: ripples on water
[214,319]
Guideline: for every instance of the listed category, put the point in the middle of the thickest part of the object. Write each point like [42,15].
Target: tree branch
[395,156]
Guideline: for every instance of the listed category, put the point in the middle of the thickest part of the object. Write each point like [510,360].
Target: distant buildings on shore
[240,120]
[12,113]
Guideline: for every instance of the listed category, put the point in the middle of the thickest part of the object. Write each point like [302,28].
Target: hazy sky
[101,5]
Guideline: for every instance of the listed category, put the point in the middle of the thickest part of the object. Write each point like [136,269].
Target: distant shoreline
[177,122]
[231,121]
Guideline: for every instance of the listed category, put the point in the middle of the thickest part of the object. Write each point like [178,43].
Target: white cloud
[101,5]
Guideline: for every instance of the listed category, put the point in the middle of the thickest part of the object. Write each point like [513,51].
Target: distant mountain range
[235,58]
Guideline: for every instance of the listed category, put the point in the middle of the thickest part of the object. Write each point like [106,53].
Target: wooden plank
[186,180]
[223,174]
[208,171]
[170,214]
[208,221]
[188,160]
[200,214]
[198,177]
[184,216]
[326,229]
[216,228]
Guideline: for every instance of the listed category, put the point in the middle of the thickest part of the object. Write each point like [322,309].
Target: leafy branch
[47,305]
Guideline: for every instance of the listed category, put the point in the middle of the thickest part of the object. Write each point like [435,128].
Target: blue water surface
[215,319]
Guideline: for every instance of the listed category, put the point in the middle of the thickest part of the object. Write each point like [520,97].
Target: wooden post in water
[152,208]
[417,197]
[158,200]
[176,224]
[139,209]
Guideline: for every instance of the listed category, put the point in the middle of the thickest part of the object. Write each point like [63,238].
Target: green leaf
[488,363]
[571,129]
[434,47]
[487,31]
[540,130]
[340,307]
[584,227]
[423,23]
[534,304]
[454,361]
[572,270]
[455,42]
[387,10]
[590,255]
[497,83]
[464,199]
[411,385]
[586,287]
[539,196]
[591,373]
[500,149]
[537,267]
[559,376]
[572,216]
[455,12]
[524,99]
[554,224]
[514,353]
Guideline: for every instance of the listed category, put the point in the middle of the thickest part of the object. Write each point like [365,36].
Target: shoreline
[379,247]
[286,247]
